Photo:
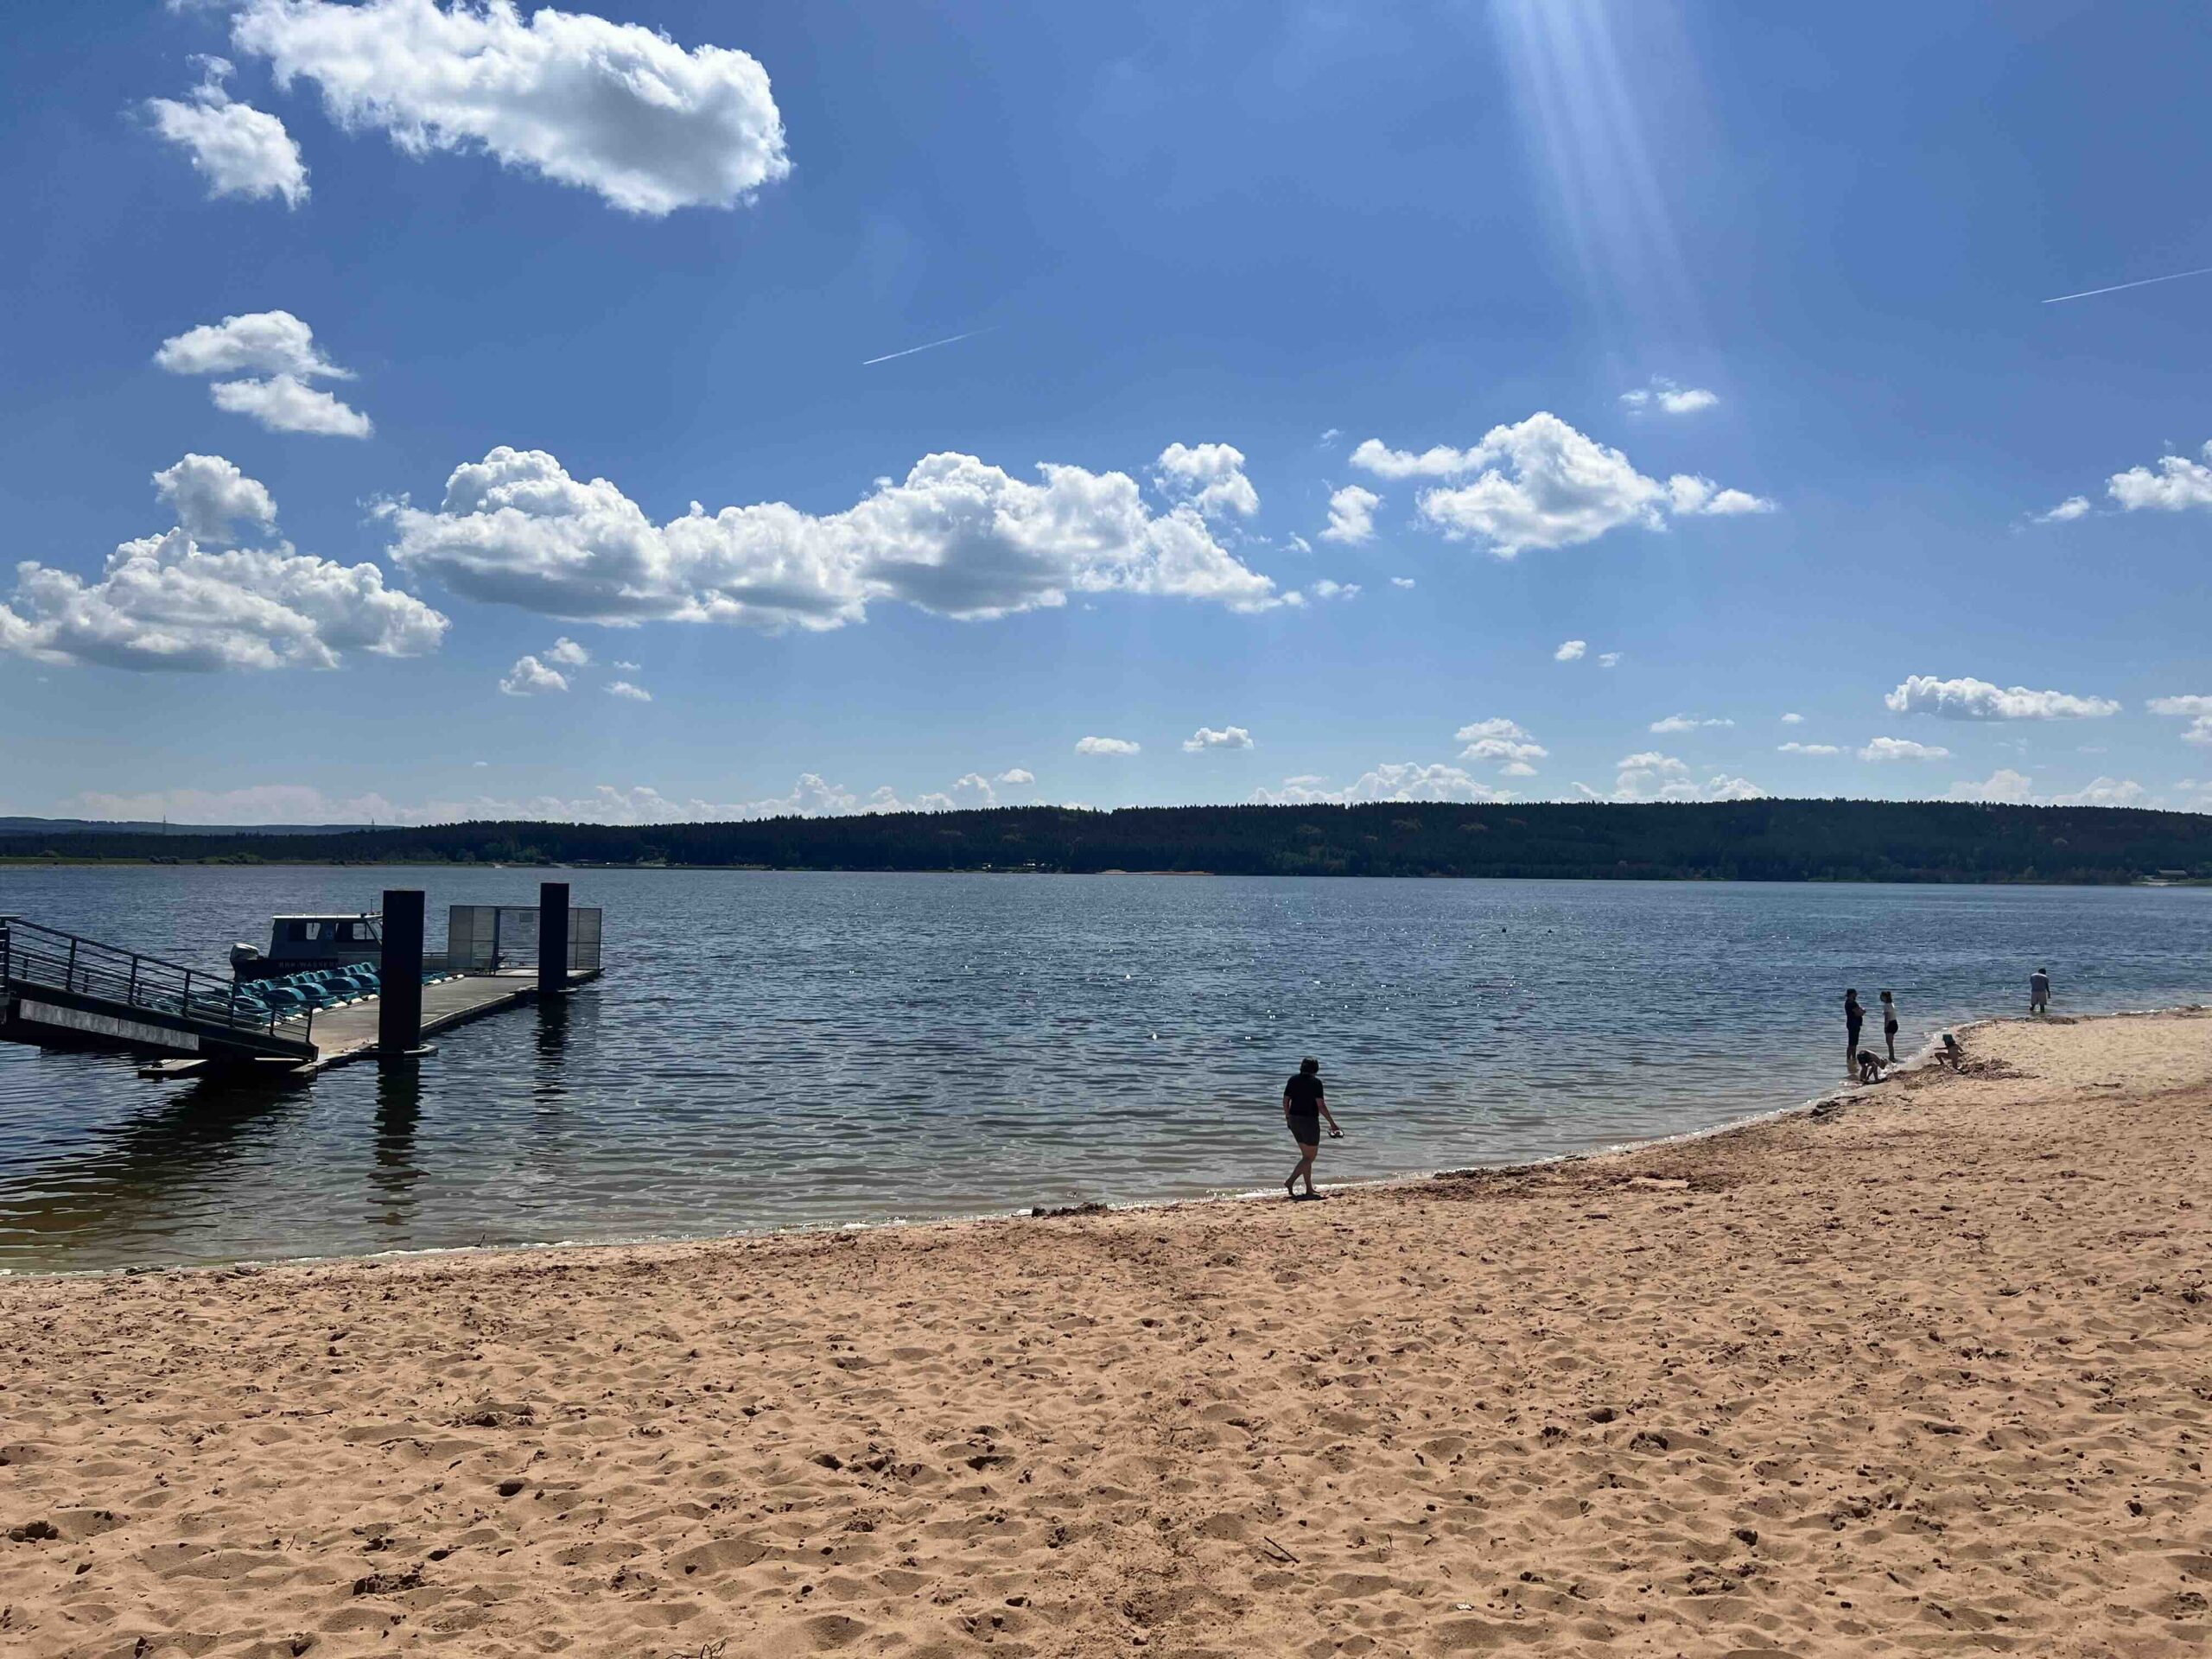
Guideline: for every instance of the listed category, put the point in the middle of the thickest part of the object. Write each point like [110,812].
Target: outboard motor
[243,956]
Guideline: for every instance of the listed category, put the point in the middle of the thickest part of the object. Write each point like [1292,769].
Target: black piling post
[399,979]
[552,937]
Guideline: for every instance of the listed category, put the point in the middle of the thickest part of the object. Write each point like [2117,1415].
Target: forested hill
[1754,841]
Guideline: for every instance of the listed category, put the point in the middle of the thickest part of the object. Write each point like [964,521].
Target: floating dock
[61,990]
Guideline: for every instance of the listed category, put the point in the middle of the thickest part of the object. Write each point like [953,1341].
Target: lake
[775,1050]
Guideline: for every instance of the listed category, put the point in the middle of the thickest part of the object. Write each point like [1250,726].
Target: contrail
[947,340]
[2091,293]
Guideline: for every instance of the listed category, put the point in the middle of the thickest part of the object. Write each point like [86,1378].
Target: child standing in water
[1890,1024]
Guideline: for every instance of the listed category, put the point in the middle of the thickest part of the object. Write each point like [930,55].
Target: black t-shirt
[1304,1093]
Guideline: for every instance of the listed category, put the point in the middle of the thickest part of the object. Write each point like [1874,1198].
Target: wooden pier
[63,991]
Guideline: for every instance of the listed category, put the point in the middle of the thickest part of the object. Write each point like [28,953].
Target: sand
[1931,1372]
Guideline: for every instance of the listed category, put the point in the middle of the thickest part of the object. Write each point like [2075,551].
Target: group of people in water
[1306,1103]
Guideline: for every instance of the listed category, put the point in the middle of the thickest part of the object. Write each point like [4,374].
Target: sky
[418,410]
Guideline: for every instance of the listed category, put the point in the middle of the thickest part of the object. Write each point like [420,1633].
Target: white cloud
[1665,395]
[283,404]
[1807,749]
[1570,651]
[2073,507]
[1401,581]
[1697,495]
[628,692]
[1016,777]
[211,496]
[811,797]
[1229,737]
[1673,723]
[627,668]
[956,536]
[2178,484]
[530,678]
[254,342]
[1502,742]
[1106,746]
[2007,787]
[1902,748]
[1651,775]
[1326,588]
[1609,659]
[615,108]
[1405,780]
[1210,476]
[240,150]
[1329,437]
[2194,709]
[279,346]
[568,654]
[1793,720]
[1971,699]
[164,602]
[1563,488]
[1351,516]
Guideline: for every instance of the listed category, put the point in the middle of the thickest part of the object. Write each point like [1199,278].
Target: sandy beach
[1928,1370]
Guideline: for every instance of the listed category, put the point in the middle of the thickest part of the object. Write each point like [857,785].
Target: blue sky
[1709,337]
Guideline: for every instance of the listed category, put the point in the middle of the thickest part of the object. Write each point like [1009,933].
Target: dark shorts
[1890,1029]
[1305,1127]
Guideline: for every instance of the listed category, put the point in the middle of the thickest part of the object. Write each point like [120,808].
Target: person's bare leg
[1306,1155]
[1891,1037]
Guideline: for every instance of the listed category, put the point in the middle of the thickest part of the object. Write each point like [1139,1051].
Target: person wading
[1855,1019]
[1304,1106]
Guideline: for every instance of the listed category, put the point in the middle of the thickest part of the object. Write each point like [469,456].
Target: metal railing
[52,960]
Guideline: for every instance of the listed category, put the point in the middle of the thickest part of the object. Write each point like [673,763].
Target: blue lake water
[781,1049]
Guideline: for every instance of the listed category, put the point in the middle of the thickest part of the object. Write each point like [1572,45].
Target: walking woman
[1304,1106]
[1890,1024]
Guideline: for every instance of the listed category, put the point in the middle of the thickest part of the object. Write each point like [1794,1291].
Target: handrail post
[132,995]
[69,973]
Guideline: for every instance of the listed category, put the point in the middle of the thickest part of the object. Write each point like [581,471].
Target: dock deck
[349,1032]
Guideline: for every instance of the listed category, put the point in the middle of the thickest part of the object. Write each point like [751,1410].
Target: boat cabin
[302,942]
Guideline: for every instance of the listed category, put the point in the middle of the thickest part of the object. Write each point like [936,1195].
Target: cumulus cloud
[1807,749]
[240,150]
[568,654]
[2174,484]
[1351,516]
[254,342]
[530,678]
[1016,777]
[165,602]
[1210,476]
[1405,780]
[1504,743]
[1401,581]
[1106,746]
[1902,748]
[1609,659]
[281,349]
[2073,507]
[1793,720]
[614,108]
[628,692]
[1669,399]
[1542,483]
[1651,775]
[284,405]
[2194,709]
[211,497]
[1326,589]
[955,537]
[1570,651]
[1229,737]
[811,797]
[1971,699]
[2010,788]
[1685,723]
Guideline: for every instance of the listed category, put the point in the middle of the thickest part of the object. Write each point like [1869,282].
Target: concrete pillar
[552,937]
[399,1001]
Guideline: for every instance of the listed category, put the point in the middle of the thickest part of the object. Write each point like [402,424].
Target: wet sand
[1931,1371]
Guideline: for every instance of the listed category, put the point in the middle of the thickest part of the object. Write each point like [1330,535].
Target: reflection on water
[777,1050]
